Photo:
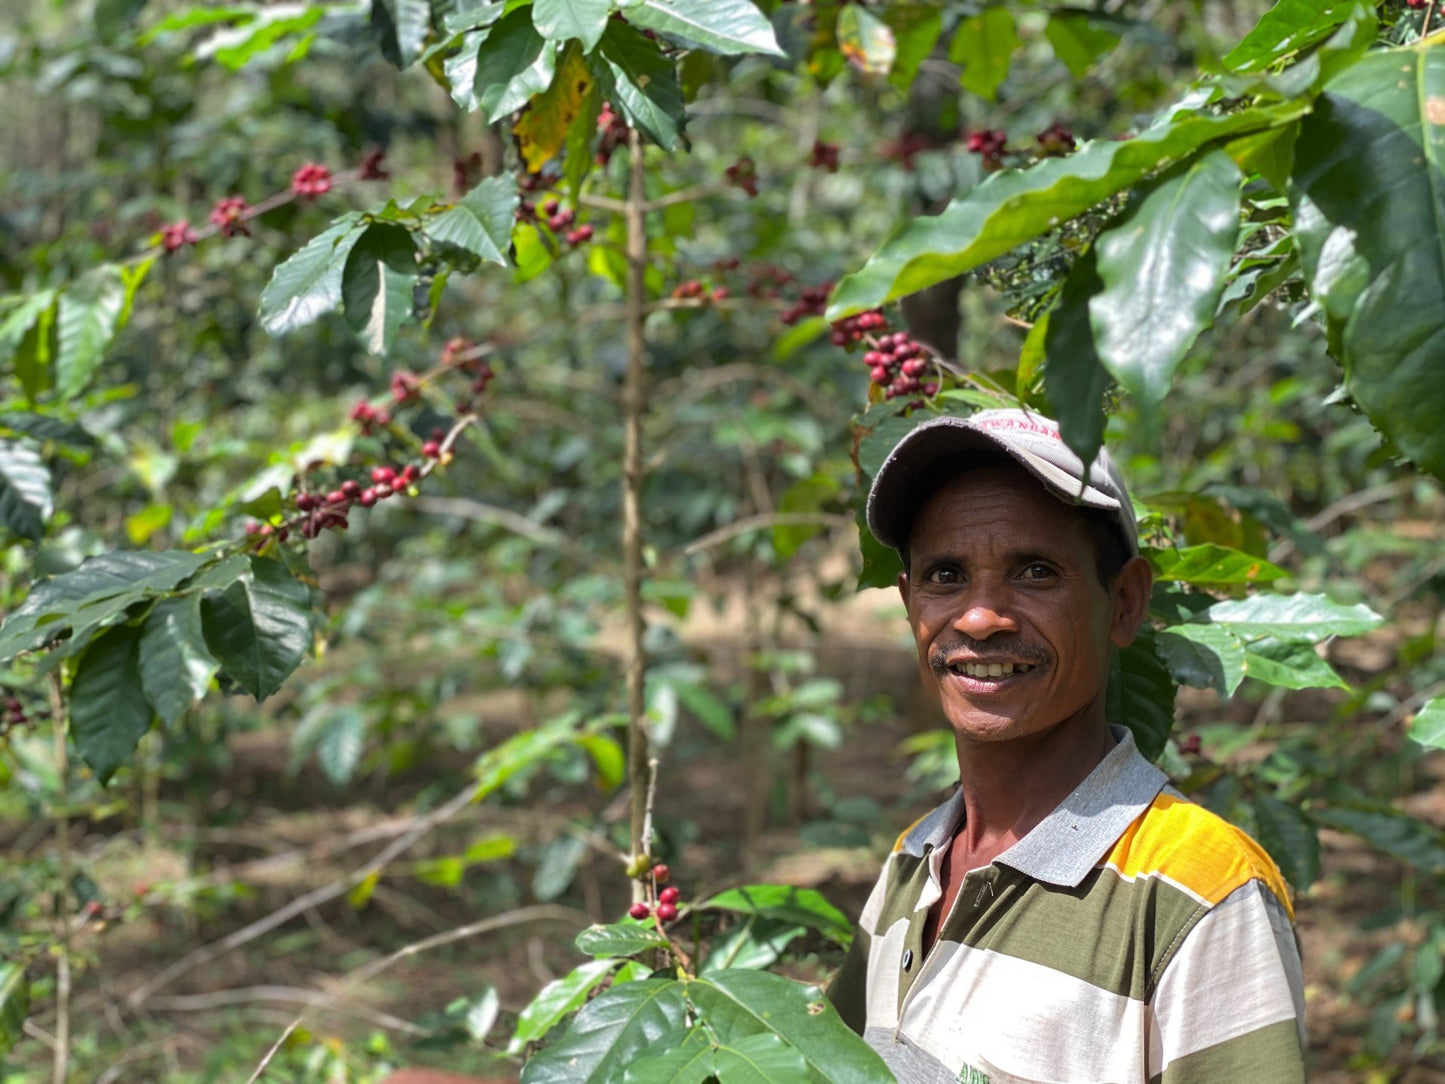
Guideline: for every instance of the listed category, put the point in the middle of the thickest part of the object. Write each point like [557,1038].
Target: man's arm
[1230,1002]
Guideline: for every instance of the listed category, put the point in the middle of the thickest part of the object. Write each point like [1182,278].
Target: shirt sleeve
[1230,1002]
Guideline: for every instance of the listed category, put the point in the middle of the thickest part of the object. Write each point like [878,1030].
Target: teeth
[993,669]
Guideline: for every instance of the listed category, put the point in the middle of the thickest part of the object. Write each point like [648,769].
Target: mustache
[980,650]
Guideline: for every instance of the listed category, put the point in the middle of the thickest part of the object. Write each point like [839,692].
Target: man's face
[1013,627]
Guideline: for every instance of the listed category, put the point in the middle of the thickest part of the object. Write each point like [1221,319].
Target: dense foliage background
[429,455]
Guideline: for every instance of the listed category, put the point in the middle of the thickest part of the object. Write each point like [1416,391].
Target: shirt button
[907,959]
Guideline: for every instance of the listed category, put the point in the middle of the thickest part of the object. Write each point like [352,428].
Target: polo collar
[1067,844]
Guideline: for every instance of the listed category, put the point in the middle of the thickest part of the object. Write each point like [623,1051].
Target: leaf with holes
[542,128]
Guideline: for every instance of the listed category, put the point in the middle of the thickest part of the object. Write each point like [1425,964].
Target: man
[1066,916]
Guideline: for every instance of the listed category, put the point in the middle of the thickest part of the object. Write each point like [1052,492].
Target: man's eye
[1037,571]
[942,575]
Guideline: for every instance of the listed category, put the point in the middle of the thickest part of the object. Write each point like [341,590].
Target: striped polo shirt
[1131,937]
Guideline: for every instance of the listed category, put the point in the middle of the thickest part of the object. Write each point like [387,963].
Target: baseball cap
[910,472]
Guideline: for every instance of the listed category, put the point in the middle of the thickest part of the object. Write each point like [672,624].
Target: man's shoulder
[1194,849]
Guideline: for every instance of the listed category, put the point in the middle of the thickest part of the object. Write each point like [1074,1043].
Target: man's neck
[1009,787]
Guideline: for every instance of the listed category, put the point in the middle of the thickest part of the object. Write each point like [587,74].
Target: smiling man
[1066,916]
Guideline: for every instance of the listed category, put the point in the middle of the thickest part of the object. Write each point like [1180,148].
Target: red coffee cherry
[639,911]
[670,894]
[666,912]
[660,873]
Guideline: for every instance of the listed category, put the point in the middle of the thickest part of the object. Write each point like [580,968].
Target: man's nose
[986,612]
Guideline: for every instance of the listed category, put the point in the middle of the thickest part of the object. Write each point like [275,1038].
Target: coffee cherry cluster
[13,716]
[612,133]
[558,219]
[694,289]
[667,898]
[330,510]
[311,180]
[230,215]
[854,329]
[177,235]
[988,142]
[743,174]
[813,303]
[1056,141]
[824,156]
[897,364]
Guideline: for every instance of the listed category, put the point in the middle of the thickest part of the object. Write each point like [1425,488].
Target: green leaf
[1369,211]
[755,943]
[1428,726]
[1205,656]
[481,223]
[611,1031]
[640,82]
[26,498]
[1290,664]
[1285,29]
[559,20]
[175,667]
[1140,694]
[14,1004]
[259,628]
[1210,566]
[727,27]
[681,1058]
[865,39]
[557,866]
[1079,39]
[1290,838]
[109,713]
[1395,833]
[236,46]
[308,284]
[625,938]
[738,1004]
[1293,617]
[1075,380]
[759,1059]
[377,283]
[400,28]
[984,44]
[96,593]
[916,30]
[1162,268]
[500,68]
[524,751]
[45,427]
[1014,206]
[89,317]
[339,742]
[557,999]
[785,903]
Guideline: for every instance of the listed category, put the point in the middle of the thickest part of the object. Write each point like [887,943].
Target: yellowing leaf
[542,128]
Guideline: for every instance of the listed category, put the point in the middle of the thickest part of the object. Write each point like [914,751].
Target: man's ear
[1130,594]
[903,588]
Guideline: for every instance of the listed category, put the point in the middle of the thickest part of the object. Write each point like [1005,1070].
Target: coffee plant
[638,309]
